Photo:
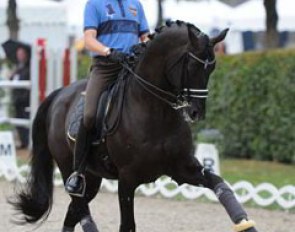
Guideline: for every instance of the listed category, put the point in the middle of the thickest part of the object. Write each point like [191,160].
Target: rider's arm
[92,44]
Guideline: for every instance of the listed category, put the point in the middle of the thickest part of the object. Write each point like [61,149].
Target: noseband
[182,99]
[196,93]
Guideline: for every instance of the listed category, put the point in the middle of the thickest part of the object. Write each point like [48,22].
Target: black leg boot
[76,184]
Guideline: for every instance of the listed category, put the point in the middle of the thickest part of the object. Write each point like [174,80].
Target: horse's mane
[171,25]
[139,49]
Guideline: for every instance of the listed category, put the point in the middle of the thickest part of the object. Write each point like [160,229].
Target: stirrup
[244,225]
[81,192]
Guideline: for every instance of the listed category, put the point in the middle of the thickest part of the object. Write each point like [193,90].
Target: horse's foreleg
[196,175]
[126,200]
[78,210]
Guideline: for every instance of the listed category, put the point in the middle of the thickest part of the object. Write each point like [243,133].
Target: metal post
[74,65]
[34,100]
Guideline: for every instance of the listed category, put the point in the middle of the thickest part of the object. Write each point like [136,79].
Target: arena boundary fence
[264,194]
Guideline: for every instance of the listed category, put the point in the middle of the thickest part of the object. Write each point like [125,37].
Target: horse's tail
[34,201]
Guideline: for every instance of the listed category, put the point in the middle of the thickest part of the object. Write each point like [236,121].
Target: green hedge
[84,63]
[252,104]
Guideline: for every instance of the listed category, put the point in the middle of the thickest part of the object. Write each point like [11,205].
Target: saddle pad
[75,119]
[105,105]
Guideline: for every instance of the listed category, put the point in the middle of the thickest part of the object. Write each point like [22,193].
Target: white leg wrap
[244,225]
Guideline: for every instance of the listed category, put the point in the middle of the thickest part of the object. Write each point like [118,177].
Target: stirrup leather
[79,175]
[244,225]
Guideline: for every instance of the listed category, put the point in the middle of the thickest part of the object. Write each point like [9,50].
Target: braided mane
[140,48]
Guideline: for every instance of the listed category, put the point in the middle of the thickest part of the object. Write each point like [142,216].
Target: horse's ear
[219,37]
[193,34]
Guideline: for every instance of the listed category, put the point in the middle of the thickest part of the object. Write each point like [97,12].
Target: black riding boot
[76,184]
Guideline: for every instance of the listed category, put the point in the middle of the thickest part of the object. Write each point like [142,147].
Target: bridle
[183,98]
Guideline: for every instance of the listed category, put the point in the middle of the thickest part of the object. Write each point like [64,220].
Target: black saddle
[110,103]
[114,96]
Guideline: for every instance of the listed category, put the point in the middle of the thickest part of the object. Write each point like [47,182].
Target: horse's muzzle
[195,115]
[197,110]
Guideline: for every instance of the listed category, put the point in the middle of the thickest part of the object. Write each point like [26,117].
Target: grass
[5,127]
[257,172]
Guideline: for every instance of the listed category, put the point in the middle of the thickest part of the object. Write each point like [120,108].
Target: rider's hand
[117,56]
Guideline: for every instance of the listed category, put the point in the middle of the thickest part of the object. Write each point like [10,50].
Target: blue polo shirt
[119,23]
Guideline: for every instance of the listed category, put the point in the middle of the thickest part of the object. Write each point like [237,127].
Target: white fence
[53,80]
[264,194]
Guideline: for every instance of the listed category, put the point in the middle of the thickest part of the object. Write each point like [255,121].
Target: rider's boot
[76,183]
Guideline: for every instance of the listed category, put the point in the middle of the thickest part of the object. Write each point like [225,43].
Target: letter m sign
[8,166]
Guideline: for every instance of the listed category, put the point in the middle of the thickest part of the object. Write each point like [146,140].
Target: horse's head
[182,59]
[201,63]
[197,60]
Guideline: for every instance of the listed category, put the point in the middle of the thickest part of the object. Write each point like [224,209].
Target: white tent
[251,16]
[151,11]
[38,19]
[205,14]
[75,11]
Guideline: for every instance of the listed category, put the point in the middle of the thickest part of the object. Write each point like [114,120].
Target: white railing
[54,80]
[15,84]
[264,194]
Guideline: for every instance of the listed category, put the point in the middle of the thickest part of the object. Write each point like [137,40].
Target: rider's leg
[75,184]
[101,76]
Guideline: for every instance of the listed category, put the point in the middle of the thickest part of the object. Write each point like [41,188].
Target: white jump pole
[34,98]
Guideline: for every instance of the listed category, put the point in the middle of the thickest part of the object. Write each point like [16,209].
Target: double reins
[181,100]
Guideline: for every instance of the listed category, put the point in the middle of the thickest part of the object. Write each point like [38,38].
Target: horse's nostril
[194,114]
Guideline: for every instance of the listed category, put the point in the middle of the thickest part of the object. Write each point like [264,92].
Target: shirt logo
[133,11]
[110,10]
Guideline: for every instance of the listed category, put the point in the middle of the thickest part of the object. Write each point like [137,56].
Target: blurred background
[254,25]
[250,111]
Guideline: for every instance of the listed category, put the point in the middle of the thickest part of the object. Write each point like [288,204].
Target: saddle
[110,104]
[106,112]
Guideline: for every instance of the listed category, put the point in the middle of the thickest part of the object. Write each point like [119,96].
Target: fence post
[74,65]
[42,75]
[66,67]
[34,98]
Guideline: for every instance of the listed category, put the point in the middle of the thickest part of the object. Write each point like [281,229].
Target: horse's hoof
[245,226]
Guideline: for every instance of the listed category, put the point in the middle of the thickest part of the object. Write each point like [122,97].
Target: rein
[179,101]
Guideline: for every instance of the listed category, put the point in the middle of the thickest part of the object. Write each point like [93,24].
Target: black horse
[152,139]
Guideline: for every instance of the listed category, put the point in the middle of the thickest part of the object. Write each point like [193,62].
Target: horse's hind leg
[195,174]
[78,210]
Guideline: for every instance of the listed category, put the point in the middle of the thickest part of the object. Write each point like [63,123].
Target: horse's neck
[154,118]
[163,48]
[152,68]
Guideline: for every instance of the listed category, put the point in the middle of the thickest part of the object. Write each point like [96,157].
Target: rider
[111,27]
